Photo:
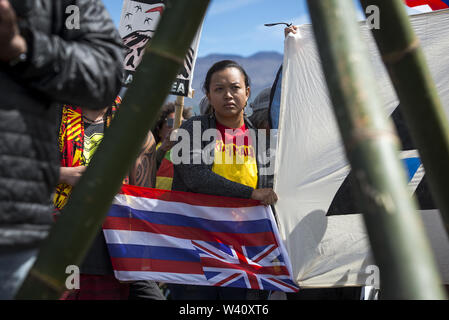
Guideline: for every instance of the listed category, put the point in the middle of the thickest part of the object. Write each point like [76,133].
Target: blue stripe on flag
[252,251]
[411,166]
[239,283]
[221,247]
[268,286]
[210,274]
[172,219]
[117,250]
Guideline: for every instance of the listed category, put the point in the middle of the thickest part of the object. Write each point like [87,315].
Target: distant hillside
[261,68]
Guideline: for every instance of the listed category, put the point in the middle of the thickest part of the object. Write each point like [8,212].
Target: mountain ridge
[261,67]
[262,54]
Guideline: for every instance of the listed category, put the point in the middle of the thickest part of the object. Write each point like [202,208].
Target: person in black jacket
[194,172]
[212,166]
[44,62]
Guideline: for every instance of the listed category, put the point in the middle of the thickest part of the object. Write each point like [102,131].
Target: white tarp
[138,22]
[332,251]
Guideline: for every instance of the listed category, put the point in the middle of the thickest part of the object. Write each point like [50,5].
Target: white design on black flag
[319,220]
[138,23]
[345,200]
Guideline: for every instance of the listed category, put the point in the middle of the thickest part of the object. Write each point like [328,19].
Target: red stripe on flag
[265,254]
[207,250]
[131,224]
[434,4]
[244,262]
[172,266]
[194,199]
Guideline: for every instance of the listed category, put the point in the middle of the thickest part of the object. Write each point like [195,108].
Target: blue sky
[237,26]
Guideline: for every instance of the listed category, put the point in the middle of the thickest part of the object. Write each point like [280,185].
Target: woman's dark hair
[165,111]
[221,65]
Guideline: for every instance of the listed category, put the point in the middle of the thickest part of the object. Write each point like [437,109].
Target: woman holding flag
[229,168]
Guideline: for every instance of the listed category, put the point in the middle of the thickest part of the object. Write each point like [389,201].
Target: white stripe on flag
[423,8]
[169,277]
[213,213]
[145,238]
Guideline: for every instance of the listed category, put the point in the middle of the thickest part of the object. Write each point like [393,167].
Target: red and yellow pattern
[164,175]
[71,145]
[234,157]
[71,140]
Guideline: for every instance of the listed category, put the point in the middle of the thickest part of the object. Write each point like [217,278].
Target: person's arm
[293,29]
[76,66]
[71,175]
[143,173]
[199,177]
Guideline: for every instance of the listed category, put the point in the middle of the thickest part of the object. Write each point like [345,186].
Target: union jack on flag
[187,238]
[248,267]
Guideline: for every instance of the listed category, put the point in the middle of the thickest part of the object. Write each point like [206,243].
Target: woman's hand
[71,175]
[266,195]
[291,29]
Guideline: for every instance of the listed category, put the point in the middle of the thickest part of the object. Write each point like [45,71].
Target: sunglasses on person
[171,121]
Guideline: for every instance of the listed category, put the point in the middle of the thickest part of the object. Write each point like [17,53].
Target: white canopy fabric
[311,166]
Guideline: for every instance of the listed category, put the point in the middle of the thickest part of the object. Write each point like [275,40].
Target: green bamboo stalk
[87,207]
[397,236]
[420,103]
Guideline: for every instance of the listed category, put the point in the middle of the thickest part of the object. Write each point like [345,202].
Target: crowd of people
[59,92]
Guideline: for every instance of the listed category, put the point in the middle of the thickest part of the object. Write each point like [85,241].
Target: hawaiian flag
[190,238]
[432,4]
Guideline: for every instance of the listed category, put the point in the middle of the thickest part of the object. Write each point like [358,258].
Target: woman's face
[227,93]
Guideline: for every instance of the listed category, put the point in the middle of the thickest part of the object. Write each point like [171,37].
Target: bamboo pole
[420,103]
[87,207]
[179,106]
[397,236]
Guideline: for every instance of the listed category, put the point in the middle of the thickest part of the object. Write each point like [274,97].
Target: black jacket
[195,173]
[73,66]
